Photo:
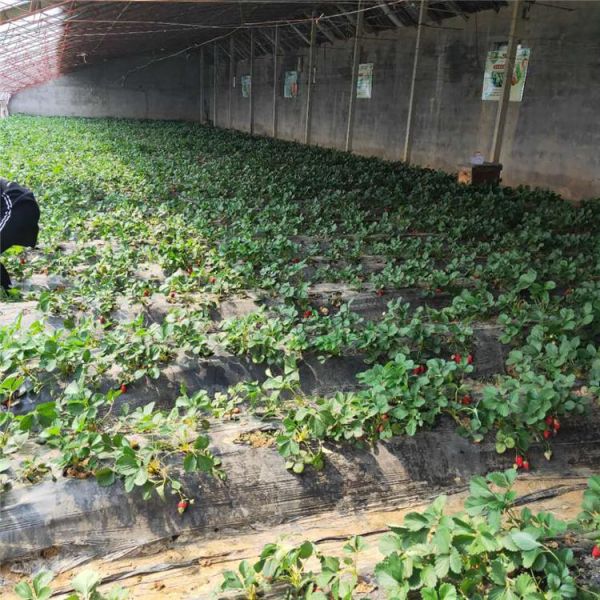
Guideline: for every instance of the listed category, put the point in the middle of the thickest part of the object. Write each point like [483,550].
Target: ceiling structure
[42,39]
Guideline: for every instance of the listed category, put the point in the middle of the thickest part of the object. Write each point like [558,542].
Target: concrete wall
[139,87]
[551,139]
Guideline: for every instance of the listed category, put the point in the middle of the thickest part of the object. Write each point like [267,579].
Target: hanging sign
[364,83]
[493,77]
[246,81]
[290,84]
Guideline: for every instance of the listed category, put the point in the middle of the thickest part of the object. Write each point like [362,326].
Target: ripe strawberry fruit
[457,358]
[466,400]
[295,260]
[380,292]
[123,389]
[307,314]
[470,359]
[146,293]
[182,506]
[547,434]
[549,420]
[519,461]
[419,370]
[526,465]
[556,425]
[596,552]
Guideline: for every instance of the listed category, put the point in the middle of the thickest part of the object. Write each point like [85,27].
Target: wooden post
[202,82]
[354,78]
[309,85]
[511,53]
[411,99]
[231,76]
[215,64]
[275,51]
[252,82]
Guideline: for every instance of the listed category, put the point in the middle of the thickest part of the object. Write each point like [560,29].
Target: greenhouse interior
[300,300]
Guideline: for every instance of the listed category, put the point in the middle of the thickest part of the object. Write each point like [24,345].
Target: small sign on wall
[290,84]
[364,83]
[246,81]
[495,65]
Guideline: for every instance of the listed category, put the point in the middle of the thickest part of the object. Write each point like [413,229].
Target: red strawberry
[102,320]
[519,461]
[22,261]
[466,400]
[547,434]
[123,389]
[419,370]
[596,552]
[457,358]
[470,359]
[556,425]
[380,292]
[549,420]
[307,314]
[146,293]
[295,260]
[526,465]
[182,506]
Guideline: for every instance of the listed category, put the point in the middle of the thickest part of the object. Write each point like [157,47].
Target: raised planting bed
[192,568]
[75,520]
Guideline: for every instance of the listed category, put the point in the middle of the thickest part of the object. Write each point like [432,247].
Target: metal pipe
[511,53]
[252,82]
[202,113]
[409,120]
[354,78]
[309,86]
[231,76]
[215,64]
[275,51]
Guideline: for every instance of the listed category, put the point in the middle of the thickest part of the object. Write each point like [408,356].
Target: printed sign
[364,83]
[493,77]
[290,84]
[246,81]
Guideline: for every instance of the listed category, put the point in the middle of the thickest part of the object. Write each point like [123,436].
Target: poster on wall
[246,81]
[290,84]
[494,74]
[364,83]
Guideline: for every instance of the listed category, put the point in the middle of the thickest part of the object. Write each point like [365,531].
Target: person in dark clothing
[19,217]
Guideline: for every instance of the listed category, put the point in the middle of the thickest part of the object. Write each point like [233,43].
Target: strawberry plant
[490,550]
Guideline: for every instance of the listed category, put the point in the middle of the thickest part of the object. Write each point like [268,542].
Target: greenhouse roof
[41,39]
